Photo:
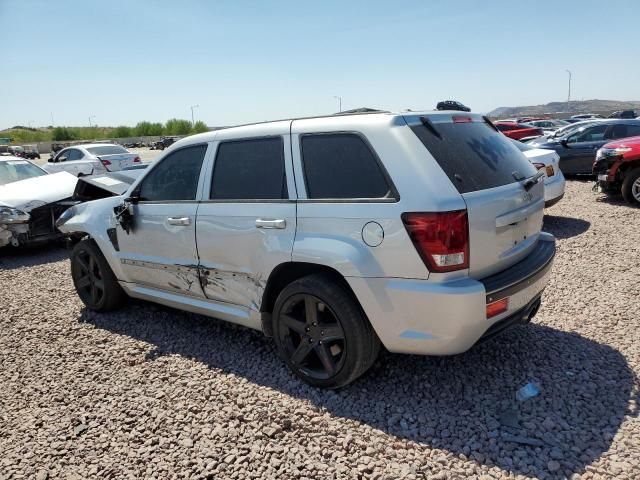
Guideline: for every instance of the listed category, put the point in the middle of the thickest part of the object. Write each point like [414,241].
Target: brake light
[106,163]
[539,166]
[441,239]
[136,160]
[497,307]
[461,119]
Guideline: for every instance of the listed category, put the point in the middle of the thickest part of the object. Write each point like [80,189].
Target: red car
[617,168]
[517,131]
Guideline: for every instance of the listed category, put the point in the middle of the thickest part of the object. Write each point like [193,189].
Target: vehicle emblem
[527,196]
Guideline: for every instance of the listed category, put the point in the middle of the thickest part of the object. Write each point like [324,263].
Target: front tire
[631,186]
[94,280]
[321,332]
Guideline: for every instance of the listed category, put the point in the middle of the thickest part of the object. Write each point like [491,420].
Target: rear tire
[94,280]
[321,332]
[631,186]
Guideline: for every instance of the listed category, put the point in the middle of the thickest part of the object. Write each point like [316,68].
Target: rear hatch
[505,205]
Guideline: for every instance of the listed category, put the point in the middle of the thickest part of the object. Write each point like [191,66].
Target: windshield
[107,150]
[15,170]
[561,132]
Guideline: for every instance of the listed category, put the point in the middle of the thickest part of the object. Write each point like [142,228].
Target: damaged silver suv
[336,235]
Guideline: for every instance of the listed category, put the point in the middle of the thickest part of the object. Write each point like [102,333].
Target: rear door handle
[182,221]
[262,223]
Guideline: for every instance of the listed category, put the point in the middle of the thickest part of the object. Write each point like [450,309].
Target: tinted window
[250,169]
[72,154]
[590,134]
[473,155]
[175,177]
[633,130]
[107,150]
[341,165]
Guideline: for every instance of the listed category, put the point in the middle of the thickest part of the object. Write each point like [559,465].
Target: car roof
[382,115]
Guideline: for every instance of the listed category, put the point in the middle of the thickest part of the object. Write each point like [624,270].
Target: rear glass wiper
[427,123]
[531,181]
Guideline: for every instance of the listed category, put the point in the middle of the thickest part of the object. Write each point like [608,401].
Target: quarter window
[250,170]
[341,166]
[175,177]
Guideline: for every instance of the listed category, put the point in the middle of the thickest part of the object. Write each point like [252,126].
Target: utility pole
[90,117]
[339,102]
[52,124]
[569,93]
[192,117]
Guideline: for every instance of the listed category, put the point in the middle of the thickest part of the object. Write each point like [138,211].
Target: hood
[35,192]
[631,142]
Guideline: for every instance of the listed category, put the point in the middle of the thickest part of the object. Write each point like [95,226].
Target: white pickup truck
[91,158]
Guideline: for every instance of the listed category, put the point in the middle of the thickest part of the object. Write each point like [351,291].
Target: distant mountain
[575,107]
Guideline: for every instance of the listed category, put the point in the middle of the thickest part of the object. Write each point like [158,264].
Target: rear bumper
[429,318]
[554,189]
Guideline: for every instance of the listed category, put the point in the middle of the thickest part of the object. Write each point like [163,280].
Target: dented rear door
[247,220]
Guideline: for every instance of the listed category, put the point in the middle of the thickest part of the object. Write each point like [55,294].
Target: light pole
[569,93]
[52,124]
[90,117]
[192,117]
[339,102]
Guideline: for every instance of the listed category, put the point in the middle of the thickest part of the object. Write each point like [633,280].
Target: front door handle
[261,223]
[182,221]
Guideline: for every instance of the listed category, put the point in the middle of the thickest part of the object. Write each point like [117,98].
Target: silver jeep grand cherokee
[334,235]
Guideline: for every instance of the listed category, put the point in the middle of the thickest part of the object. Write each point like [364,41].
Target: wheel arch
[288,272]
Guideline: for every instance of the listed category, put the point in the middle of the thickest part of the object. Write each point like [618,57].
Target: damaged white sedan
[30,202]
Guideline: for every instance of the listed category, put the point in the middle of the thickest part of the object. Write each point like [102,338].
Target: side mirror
[564,143]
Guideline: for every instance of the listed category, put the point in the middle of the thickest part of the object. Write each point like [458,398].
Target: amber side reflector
[497,307]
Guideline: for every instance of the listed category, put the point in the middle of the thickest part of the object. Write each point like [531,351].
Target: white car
[30,202]
[549,161]
[92,158]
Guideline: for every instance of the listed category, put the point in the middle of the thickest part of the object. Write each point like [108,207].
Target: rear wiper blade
[531,181]
[427,123]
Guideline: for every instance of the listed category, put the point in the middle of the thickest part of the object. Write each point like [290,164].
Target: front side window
[342,166]
[590,134]
[73,154]
[251,169]
[175,177]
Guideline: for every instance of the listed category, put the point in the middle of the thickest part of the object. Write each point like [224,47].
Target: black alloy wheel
[312,336]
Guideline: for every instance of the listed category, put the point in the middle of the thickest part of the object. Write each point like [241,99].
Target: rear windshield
[473,155]
[107,150]
[15,170]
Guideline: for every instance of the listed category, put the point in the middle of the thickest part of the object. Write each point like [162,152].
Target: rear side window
[250,170]
[107,150]
[175,177]
[342,166]
[473,155]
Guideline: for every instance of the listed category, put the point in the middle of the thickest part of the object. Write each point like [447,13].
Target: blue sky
[243,61]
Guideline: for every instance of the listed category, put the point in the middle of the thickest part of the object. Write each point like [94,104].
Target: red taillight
[497,307]
[539,166]
[441,239]
[106,163]
[461,119]
[136,160]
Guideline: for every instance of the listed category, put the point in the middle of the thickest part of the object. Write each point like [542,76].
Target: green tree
[177,126]
[143,129]
[156,129]
[63,133]
[123,131]
[200,127]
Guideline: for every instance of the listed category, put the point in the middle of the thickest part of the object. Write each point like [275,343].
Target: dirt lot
[149,392]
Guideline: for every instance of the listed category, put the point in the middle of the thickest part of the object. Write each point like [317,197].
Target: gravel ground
[150,392]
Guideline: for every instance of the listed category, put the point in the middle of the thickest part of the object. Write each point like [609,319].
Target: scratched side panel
[236,257]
